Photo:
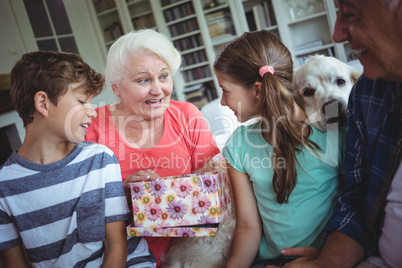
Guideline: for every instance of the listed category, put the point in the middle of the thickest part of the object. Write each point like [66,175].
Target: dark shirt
[374,120]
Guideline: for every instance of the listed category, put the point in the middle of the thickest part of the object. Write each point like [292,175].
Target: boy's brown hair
[53,73]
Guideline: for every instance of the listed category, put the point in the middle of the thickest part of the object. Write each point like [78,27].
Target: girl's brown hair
[240,60]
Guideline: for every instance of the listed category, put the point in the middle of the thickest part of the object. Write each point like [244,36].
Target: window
[50,25]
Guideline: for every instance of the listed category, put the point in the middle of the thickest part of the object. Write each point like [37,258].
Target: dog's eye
[308,92]
[340,82]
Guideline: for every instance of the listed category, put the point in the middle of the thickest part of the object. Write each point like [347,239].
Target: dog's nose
[335,112]
[332,108]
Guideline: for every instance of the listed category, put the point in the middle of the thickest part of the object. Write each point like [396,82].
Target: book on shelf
[330,52]
[108,35]
[199,94]
[267,14]
[261,16]
[251,21]
[103,5]
[196,73]
[169,2]
[270,12]
[308,46]
[193,58]
[113,31]
[215,15]
[147,21]
[256,14]
[199,103]
[196,95]
[179,12]
[219,27]
[194,88]
[326,52]
[188,42]
[183,27]
[218,23]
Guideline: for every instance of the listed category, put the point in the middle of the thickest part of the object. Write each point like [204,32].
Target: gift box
[186,205]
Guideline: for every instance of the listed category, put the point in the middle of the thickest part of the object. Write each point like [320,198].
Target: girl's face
[146,87]
[243,102]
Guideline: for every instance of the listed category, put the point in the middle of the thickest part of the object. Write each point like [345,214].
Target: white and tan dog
[202,252]
[324,84]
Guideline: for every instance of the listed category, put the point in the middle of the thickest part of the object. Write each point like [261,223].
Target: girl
[281,168]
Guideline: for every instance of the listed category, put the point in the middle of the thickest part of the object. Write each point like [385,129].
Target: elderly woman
[151,135]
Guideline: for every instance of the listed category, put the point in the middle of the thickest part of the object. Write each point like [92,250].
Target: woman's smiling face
[146,87]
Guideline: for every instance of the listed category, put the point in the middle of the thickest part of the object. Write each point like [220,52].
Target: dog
[324,84]
[200,252]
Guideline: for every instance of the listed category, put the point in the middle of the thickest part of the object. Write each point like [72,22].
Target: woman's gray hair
[136,43]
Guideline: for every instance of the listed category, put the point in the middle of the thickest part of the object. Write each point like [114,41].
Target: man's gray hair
[391,4]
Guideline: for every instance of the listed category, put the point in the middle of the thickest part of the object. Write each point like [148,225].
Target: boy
[62,203]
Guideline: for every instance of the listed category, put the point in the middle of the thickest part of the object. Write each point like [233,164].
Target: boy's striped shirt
[59,210]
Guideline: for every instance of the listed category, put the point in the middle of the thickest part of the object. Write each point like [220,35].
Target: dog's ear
[298,99]
[295,90]
[354,74]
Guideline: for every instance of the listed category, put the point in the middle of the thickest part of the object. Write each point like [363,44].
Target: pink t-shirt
[186,145]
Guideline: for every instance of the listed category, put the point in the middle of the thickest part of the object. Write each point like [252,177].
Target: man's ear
[257,89]
[42,103]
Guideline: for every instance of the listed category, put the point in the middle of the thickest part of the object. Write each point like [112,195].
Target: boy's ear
[42,103]
[257,89]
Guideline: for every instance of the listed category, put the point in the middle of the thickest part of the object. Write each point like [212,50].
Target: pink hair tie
[265,69]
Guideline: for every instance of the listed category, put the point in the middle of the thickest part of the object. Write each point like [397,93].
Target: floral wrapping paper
[183,205]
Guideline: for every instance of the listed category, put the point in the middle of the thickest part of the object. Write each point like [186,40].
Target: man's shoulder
[375,87]
[371,99]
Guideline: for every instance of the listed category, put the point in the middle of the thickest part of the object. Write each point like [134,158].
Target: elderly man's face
[374,30]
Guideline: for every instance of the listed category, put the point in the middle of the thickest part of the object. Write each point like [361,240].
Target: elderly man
[367,220]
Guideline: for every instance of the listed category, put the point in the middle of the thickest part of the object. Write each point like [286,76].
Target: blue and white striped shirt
[59,210]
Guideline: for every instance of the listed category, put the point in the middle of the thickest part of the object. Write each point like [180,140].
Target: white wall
[11,44]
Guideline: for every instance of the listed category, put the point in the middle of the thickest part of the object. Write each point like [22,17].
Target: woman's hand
[142,175]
